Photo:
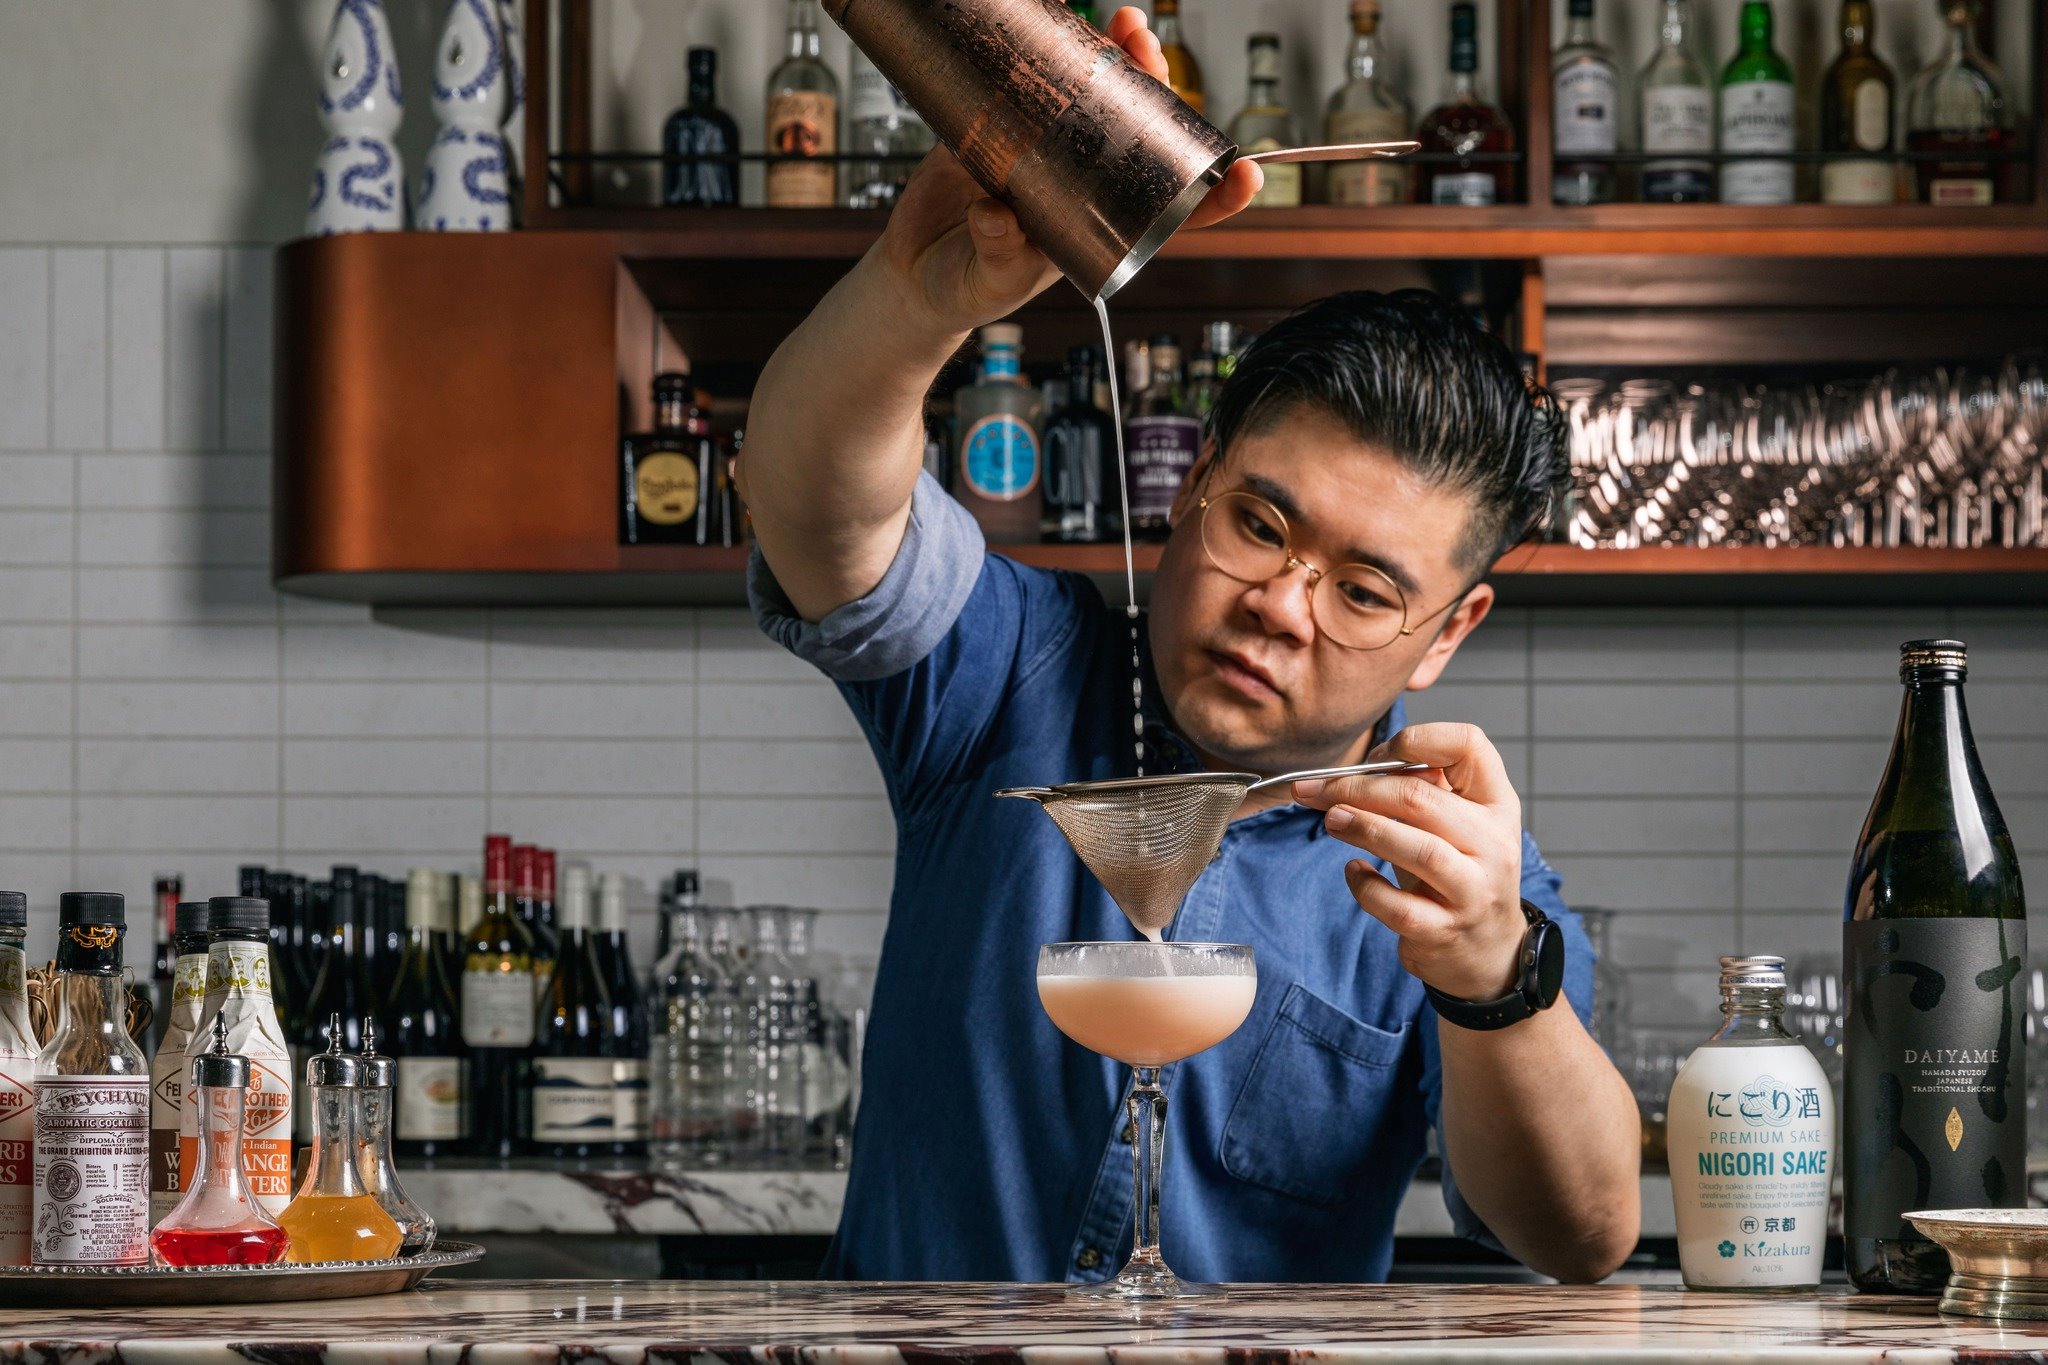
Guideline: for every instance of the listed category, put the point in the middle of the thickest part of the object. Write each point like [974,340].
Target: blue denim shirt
[989,1147]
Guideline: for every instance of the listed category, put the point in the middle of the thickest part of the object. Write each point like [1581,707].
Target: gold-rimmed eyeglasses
[1355,605]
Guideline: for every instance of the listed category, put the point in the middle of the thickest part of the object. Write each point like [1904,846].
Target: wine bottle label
[497,1009]
[1468,189]
[999,458]
[802,123]
[1871,117]
[1372,181]
[871,99]
[238,990]
[1159,452]
[630,1099]
[1678,118]
[1933,1098]
[1282,189]
[1858,182]
[430,1095]
[1587,98]
[1960,192]
[665,488]
[167,1072]
[17,1109]
[91,1171]
[1757,116]
[573,1099]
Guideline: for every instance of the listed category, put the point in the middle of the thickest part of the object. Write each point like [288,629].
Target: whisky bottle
[1757,115]
[1162,441]
[662,481]
[1586,104]
[1856,117]
[1465,126]
[1266,125]
[1366,108]
[1675,113]
[1183,72]
[1935,948]
[1958,107]
[803,119]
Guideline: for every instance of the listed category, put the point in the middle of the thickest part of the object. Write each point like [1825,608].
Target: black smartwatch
[1541,982]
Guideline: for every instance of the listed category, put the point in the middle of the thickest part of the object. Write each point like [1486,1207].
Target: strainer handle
[1384,766]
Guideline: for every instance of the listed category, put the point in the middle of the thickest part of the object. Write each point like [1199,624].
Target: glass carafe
[374,1161]
[218,1221]
[692,1051]
[775,1076]
[335,1217]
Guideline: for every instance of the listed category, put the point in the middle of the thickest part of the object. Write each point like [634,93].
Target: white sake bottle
[1752,1143]
[466,184]
[359,180]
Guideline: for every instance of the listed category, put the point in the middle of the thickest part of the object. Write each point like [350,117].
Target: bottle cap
[497,862]
[573,911]
[379,1071]
[686,881]
[525,870]
[91,907]
[1944,654]
[703,61]
[1365,15]
[611,904]
[544,873]
[1003,334]
[334,1067]
[218,1067]
[237,912]
[13,908]
[1752,972]
[189,918]
[469,905]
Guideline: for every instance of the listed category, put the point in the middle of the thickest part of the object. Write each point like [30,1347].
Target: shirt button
[1088,1259]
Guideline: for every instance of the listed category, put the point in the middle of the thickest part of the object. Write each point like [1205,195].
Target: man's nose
[1282,606]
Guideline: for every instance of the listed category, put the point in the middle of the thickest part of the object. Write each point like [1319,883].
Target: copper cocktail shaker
[1100,162]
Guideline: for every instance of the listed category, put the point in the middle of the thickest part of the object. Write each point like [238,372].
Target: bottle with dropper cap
[373,1147]
[218,1221]
[334,1216]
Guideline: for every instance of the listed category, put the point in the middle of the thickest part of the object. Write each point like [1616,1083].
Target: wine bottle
[1935,947]
[526,906]
[629,1018]
[575,1109]
[424,1034]
[170,890]
[497,1010]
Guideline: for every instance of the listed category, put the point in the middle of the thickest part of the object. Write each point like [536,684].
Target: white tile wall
[1703,772]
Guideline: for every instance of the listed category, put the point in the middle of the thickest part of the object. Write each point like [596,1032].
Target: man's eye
[1264,532]
[1360,597]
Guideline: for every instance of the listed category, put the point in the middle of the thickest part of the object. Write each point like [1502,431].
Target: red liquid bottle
[218,1222]
[226,1246]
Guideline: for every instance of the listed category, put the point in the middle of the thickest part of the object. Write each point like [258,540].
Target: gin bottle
[803,119]
[1751,1138]
[1586,99]
[1958,106]
[1757,115]
[1366,108]
[1676,113]
[701,143]
[1266,125]
[996,473]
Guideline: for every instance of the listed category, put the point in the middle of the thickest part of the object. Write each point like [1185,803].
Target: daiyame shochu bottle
[1935,942]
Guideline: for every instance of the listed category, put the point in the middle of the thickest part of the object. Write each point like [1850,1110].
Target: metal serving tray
[193,1286]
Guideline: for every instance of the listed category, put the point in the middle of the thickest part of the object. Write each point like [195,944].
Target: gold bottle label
[665,488]
[803,123]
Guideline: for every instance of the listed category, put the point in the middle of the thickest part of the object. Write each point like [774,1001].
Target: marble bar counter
[527,1322]
[630,1200]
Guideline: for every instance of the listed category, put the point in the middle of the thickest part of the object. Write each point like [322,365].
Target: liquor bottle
[1085,9]
[1675,113]
[497,1010]
[169,1064]
[701,144]
[1466,125]
[996,464]
[91,1200]
[1856,117]
[1934,973]
[774,1074]
[803,119]
[18,1049]
[665,471]
[369,915]
[1265,124]
[1366,108]
[575,1111]
[1958,106]
[1081,503]
[526,905]
[1162,441]
[880,125]
[1220,345]
[307,947]
[1183,72]
[629,1024]
[1137,376]
[163,972]
[1752,1133]
[285,964]
[1757,114]
[238,996]
[424,1033]
[1586,106]
[343,989]
[468,913]
[544,891]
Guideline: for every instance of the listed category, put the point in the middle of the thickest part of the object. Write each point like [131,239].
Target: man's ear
[1191,484]
[1463,619]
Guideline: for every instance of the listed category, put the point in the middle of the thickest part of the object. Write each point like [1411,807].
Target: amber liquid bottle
[1463,127]
[1183,72]
[1856,118]
[1935,946]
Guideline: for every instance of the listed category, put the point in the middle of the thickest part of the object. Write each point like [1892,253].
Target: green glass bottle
[1935,946]
[1757,114]
[1086,9]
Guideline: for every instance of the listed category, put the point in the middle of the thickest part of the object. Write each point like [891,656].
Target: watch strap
[1523,1002]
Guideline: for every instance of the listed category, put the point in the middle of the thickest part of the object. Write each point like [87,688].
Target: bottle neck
[803,29]
[1363,61]
[92,1002]
[1166,22]
[703,89]
[1752,1013]
[1856,28]
[1756,28]
[1578,32]
[1677,22]
[1080,386]
[1264,93]
[1000,365]
[1464,87]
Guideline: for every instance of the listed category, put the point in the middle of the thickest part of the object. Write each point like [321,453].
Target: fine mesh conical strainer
[1146,839]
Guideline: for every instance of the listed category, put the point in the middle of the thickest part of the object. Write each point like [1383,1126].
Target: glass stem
[1147,1104]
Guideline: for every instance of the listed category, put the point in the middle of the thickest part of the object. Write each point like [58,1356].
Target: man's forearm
[835,438]
[1545,1142]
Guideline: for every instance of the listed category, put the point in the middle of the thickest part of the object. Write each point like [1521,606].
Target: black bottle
[574,1098]
[701,144]
[1935,946]
[1081,502]
[425,1036]
[668,474]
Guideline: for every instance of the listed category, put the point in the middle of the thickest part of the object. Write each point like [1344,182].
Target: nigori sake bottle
[1933,1099]
[1752,1135]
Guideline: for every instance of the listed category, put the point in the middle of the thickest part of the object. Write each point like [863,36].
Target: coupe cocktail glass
[1146,1005]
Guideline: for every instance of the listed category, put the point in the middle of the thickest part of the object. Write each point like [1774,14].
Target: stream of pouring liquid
[1123,490]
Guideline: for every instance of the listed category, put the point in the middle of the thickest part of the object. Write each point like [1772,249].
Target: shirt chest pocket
[1315,1117]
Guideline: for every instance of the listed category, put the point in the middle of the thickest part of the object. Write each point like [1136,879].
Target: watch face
[1549,965]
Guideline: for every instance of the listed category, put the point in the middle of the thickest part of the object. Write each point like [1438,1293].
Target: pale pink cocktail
[1147,1004]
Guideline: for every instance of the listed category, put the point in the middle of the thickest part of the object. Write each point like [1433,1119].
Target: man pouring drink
[1416,968]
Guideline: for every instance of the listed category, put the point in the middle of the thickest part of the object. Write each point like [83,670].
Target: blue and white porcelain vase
[358,181]
[466,186]
[515,104]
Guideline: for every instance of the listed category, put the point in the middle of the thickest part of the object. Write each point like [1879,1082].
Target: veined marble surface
[625,1323]
[629,1200]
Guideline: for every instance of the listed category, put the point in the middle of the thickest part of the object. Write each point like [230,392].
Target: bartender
[1368,462]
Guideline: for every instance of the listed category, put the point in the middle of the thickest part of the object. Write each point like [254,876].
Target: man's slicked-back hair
[1408,373]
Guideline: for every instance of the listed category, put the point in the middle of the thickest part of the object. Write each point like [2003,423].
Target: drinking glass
[1146,1005]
